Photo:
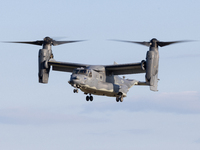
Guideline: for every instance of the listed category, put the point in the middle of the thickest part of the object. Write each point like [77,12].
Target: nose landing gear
[75,90]
[119,98]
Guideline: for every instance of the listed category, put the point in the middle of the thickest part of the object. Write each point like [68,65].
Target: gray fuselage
[94,80]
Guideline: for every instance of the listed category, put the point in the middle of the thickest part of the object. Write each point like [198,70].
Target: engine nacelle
[44,68]
[149,65]
[152,60]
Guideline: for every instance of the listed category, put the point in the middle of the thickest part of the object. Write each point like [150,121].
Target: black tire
[87,98]
[91,98]
[121,99]
[117,99]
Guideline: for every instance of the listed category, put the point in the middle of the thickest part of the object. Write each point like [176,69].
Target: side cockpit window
[89,73]
[75,71]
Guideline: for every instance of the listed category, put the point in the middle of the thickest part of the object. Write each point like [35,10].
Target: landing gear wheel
[91,98]
[87,98]
[121,99]
[117,99]
[75,90]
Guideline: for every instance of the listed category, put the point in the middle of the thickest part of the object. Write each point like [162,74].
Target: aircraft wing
[120,69]
[65,66]
[117,69]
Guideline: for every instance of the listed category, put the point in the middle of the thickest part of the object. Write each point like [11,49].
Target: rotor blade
[29,42]
[161,44]
[142,43]
[64,42]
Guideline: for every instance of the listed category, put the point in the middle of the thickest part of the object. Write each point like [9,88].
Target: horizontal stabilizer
[141,83]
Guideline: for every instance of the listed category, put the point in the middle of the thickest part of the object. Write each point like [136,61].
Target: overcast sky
[50,116]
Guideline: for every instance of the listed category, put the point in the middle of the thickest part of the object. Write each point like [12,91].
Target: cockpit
[83,72]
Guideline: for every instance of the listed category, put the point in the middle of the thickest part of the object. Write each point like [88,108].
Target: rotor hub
[48,40]
[153,42]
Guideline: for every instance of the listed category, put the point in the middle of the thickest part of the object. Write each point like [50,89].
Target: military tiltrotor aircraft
[101,79]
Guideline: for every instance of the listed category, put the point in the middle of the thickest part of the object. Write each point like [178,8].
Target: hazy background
[37,116]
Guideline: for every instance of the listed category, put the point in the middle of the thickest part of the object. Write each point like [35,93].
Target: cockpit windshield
[83,71]
[79,71]
[76,71]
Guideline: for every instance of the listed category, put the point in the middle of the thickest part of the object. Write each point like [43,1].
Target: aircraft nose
[76,80]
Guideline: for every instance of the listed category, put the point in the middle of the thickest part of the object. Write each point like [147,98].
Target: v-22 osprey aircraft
[101,79]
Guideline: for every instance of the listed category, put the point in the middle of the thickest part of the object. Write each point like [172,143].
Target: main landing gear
[89,98]
[119,98]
